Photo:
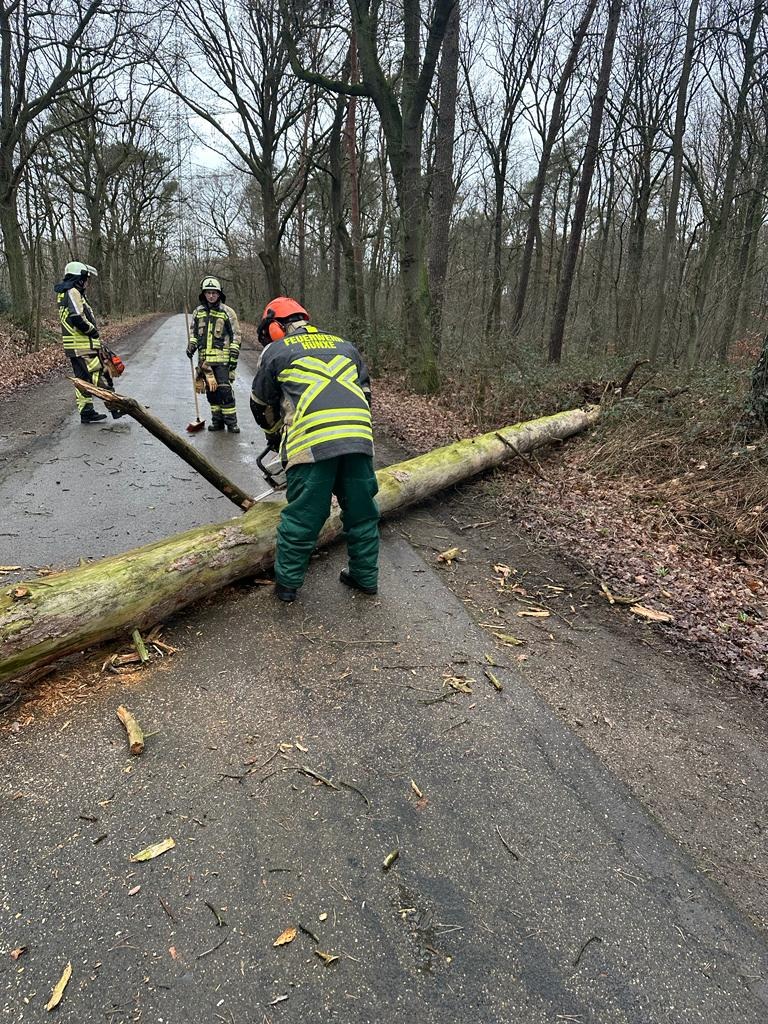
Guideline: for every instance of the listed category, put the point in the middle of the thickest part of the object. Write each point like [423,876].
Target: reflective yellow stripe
[320,423]
[341,434]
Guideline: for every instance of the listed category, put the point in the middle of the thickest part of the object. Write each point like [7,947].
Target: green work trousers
[310,486]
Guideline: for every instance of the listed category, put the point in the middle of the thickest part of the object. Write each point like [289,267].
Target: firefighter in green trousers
[80,335]
[215,336]
[312,397]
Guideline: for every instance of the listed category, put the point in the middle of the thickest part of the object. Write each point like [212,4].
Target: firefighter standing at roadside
[312,395]
[215,336]
[80,335]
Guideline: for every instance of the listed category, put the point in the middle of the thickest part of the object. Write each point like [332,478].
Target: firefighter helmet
[78,269]
[210,284]
[277,314]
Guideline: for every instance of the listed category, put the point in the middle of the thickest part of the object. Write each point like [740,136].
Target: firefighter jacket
[315,387]
[79,330]
[215,333]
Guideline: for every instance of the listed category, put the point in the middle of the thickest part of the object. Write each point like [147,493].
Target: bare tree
[401,111]
[442,186]
[232,75]
[670,227]
[42,49]
[585,183]
[720,210]
[553,131]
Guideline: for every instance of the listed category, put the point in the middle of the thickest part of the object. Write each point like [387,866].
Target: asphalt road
[87,491]
[287,746]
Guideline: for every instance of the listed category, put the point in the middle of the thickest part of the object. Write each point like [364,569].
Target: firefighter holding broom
[214,335]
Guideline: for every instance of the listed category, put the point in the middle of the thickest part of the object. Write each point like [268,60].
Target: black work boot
[233,428]
[216,425]
[286,594]
[117,413]
[348,580]
[90,415]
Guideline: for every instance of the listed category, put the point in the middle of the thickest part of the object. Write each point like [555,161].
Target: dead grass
[659,500]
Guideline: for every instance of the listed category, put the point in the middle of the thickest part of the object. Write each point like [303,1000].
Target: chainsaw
[272,472]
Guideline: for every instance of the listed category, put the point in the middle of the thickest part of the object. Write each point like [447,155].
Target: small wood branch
[134,730]
[141,647]
[627,378]
[531,465]
[666,396]
[173,441]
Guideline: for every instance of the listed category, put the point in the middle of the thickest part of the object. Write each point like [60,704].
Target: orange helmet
[278,312]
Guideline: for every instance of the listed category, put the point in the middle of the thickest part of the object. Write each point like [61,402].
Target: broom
[198,424]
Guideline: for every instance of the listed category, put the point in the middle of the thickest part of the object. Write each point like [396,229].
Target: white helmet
[77,269]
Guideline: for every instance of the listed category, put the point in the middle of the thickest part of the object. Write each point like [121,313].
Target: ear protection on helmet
[270,329]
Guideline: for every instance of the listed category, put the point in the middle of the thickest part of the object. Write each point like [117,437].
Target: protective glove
[191,349]
[273,439]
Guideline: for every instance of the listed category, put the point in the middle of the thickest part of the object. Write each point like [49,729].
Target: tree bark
[670,228]
[14,255]
[270,254]
[756,416]
[350,139]
[443,191]
[41,621]
[582,198]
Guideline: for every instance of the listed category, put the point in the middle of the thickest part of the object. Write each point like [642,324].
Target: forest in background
[461,186]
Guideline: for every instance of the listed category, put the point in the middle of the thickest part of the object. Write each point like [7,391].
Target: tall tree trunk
[493,313]
[582,198]
[14,251]
[635,252]
[341,235]
[270,254]
[550,139]
[753,219]
[670,228]
[443,191]
[757,409]
[350,138]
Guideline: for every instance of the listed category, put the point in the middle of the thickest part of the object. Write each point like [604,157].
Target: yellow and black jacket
[215,333]
[79,330]
[316,388]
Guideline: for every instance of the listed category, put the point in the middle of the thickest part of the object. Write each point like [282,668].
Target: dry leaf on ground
[19,951]
[285,937]
[449,556]
[508,639]
[58,989]
[153,851]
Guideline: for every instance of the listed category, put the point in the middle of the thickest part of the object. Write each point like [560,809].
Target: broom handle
[191,364]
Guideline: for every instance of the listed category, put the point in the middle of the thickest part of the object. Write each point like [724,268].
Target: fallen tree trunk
[42,620]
